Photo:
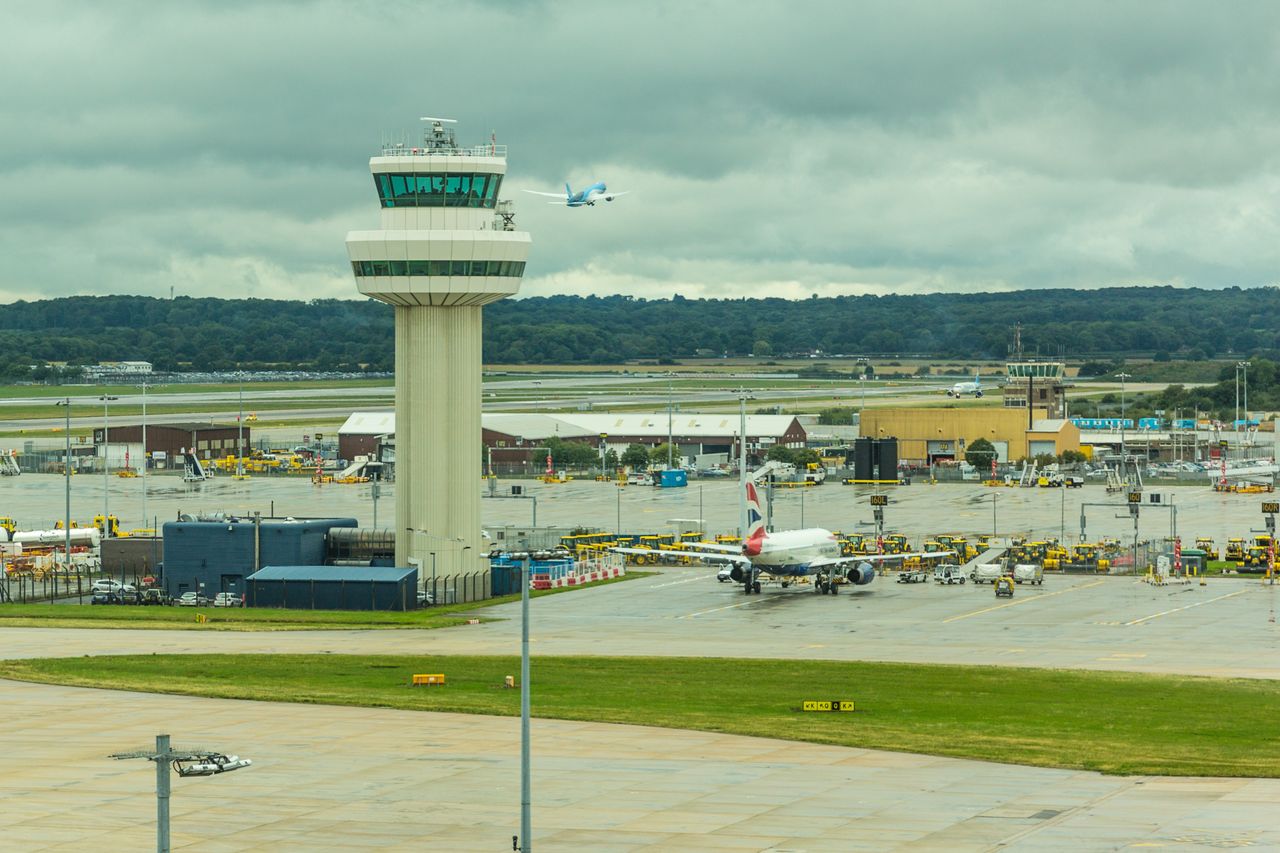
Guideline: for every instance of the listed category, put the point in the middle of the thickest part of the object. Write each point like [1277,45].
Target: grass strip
[255,618]
[1118,723]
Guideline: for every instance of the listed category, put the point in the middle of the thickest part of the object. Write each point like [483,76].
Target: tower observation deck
[447,246]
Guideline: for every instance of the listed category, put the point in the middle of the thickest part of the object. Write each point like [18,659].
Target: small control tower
[447,247]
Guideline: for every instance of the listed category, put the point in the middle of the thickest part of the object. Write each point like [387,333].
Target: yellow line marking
[1020,601]
[1187,607]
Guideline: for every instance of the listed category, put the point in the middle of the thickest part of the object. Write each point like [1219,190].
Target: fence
[36,588]
[458,589]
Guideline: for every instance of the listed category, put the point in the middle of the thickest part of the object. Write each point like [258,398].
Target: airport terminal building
[519,439]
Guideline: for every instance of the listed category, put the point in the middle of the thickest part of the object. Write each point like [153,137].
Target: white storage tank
[79,536]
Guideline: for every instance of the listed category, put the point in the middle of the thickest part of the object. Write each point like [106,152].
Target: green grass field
[255,619]
[1120,723]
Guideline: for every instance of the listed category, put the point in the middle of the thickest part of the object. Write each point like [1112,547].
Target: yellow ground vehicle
[1004,586]
[1054,556]
[1262,541]
[896,543]
[1204,543]
[1255,556]
[963,550]
[8,524]
[1088,556]
[1235,550]
[109,527]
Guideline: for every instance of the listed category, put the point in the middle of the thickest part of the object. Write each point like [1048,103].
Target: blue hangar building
[217,554]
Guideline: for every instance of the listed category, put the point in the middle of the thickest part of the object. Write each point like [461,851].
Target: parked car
[425,599]
[227,599]
[640,480]
[192,599]
[153,596]
[107,585]
[105,597]
[725,574]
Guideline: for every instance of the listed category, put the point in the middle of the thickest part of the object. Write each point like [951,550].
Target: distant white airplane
[582,198]
[961,388]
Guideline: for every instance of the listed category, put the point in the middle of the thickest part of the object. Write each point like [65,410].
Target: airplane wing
[560,196]
[874,558]
[713,546]
[706,557]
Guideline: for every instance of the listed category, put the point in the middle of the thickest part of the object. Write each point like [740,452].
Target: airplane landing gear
[756,587]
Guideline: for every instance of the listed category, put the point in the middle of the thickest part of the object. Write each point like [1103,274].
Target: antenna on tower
[1017,341]
[439,137]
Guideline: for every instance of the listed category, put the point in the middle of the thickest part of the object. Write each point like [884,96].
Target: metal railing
[399,150]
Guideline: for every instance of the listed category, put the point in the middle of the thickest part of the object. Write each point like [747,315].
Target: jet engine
[736,574]
[862,575]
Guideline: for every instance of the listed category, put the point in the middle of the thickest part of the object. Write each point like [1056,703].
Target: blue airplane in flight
[582,198]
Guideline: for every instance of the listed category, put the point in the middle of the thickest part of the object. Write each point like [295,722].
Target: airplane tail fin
[755,522]
[568,193]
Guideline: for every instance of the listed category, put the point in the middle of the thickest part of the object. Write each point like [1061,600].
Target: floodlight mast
[165,757]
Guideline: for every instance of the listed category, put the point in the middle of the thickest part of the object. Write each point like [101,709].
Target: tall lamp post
[1123,453]
[106,464]
[1244,369]
[145,456]
[66,470]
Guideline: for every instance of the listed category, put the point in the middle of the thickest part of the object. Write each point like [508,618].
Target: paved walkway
[330,778]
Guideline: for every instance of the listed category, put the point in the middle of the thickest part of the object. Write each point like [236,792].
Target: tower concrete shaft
[447,247]
[438,436]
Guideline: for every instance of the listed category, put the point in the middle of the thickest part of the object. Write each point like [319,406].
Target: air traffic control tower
[447,247]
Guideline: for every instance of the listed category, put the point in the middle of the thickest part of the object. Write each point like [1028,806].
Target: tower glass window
[438,268]
[479,190]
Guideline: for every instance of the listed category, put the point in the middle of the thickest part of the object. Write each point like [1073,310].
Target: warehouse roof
[327,574]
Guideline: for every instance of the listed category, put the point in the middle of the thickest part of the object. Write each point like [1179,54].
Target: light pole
[106,464]
[526,785]
[187,762]
[862,387]
[66,470]
[1123,453]
[993,514]
[145,457]
[670,449]
[1244,368]
[240,434]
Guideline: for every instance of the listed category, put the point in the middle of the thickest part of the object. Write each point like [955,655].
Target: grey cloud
[772,148]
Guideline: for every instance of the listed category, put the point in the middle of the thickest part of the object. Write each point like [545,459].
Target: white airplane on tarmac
[789,555]
[961,388]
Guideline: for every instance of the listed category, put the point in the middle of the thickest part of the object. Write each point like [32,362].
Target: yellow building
[939,435]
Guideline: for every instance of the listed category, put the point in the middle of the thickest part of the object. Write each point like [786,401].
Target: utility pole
[1123,452]
[526,787]
[106,464]
[670,449]
[145,457]
[66,471]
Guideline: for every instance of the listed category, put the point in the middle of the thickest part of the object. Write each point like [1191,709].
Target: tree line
[225,334]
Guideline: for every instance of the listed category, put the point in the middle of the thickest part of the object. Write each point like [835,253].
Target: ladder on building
[9,464]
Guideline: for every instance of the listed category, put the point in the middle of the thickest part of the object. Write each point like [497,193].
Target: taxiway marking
[1185,607]
[715,609]
[676,583]
[1019,601]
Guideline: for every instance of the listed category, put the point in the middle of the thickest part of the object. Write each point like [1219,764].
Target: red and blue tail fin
[755,522]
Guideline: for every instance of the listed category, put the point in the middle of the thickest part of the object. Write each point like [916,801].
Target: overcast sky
[772,148]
